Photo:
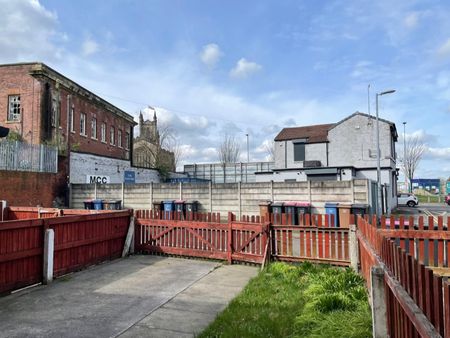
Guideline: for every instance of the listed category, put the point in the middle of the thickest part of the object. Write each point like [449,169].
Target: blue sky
[216,67]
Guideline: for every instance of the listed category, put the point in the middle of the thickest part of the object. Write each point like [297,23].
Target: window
[119,138]
[72,118]
[83,124]
[111,136]
[103,132]
[127,140]
[14,108]
[94,128]
[299,151]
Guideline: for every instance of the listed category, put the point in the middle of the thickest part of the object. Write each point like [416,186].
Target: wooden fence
[201,235]
[80,240]
[417,299]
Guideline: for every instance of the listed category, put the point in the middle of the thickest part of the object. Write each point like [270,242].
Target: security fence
[20,156]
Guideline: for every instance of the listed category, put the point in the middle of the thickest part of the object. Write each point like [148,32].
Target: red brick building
[42,106]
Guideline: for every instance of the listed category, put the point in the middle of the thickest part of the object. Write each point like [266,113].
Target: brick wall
[17,81]
[21,188]
[39,94]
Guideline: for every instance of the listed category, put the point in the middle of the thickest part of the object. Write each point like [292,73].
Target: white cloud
[411,20]
[438,153]
[444,50]
[28,32]
[89,47]
[211,54]
[244,69]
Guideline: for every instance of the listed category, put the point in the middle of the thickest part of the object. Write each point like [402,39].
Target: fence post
[123,194]
[210,196]
[352,187]
[239,201]
[271,190]
[309,192]
[3,204]
[230,238]
[151,195]
[180,185]
[49,248]
[379,322]
[353,247]
[95,191]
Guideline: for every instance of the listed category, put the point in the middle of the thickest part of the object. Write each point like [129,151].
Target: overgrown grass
[303,300]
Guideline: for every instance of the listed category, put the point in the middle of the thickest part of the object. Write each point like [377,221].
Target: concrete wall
[82,165]
[240,198]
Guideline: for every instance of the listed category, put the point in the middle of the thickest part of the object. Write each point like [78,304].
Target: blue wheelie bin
[169,208]
[332,209]
[98,204]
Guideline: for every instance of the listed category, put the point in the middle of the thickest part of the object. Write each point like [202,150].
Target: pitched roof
[316,133]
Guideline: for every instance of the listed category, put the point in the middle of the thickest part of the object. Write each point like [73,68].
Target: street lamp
[248,150]
[378,152]
[404,154]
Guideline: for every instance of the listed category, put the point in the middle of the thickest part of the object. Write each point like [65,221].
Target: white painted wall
[82,165]
[354,140]
[284,154]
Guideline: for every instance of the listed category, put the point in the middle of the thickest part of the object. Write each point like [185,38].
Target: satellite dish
[4,131]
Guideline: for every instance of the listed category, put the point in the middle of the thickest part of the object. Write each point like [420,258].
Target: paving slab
[190,311]
[140,296]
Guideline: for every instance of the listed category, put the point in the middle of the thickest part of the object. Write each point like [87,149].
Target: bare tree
[269,147]
[229,150]
[415,149]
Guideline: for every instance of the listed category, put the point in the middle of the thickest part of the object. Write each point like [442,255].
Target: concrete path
[141,296]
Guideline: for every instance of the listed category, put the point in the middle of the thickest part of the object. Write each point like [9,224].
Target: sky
[216,68]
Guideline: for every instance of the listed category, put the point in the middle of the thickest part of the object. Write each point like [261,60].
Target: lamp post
[404,154]
[248,150]
[379,211]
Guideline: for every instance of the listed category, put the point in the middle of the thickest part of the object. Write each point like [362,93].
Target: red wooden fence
[80,240]
[406,273]
[21,253]
[204,237]
[19,213]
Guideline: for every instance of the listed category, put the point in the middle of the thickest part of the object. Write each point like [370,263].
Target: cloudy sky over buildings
[235,67]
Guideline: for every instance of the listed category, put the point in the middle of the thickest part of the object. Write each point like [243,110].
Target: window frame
[103,132]
[119,138]
[127,140]
[17,117]
[303,144]
[112,136]
[94,128]
[83,118]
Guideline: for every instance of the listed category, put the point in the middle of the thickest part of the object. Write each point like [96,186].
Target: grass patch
[302,300]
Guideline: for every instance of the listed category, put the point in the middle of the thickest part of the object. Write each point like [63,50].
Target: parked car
[447,199]
[407,199]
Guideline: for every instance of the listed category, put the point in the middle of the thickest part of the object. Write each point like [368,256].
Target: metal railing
[20,156]
[228,173]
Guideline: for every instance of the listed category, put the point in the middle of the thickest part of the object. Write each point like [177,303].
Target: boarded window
[299,151]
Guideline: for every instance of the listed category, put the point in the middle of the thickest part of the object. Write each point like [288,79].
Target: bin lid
[97,201]
[114,201]
[265,203]
[345,205]
[277,204]
[331,205]
[157,202]
[191,202]
[88,201]
[359,206]
[168,201]
[303,204]
[180,201]
[290,204]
